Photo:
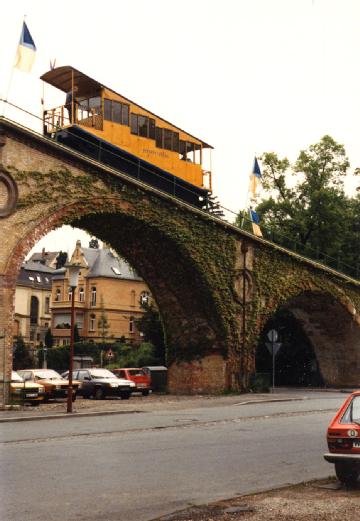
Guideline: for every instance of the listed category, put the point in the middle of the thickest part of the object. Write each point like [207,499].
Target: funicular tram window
[116,111]
[151,128]
[143,126]
[95,103]
[113,110]
[175,142]
[159,137]
[134,123]
[167,139]
[182,150]
[125,114]
[190,150]
[107,109]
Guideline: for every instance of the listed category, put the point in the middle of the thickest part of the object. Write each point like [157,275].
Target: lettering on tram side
[155,152]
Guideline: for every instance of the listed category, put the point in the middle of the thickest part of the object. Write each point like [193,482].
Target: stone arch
[330,325]
[180,278]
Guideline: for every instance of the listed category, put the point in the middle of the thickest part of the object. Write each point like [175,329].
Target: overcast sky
[246,76]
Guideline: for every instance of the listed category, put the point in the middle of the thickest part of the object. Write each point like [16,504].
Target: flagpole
[246,204]
[13,65]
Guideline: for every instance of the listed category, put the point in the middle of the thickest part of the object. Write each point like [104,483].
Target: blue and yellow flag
[26,50]
[255,219]
[255,177]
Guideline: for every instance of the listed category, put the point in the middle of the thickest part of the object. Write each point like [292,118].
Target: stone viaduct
[215,285]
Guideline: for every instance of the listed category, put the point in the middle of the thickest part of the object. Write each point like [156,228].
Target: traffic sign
[109,354]
[272,335]
[273,347]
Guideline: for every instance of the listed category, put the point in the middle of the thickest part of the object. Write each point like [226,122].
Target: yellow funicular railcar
[105,125]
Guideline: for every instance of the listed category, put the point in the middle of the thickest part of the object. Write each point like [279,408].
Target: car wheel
[125,395]
[346,472]
[146,392]
[99,393]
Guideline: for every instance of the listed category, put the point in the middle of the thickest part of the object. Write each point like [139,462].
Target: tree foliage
[49,339]
[22,358]
[103,322]
[151,326]
[306,207]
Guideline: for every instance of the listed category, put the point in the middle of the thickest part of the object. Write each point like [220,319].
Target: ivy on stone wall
[203,246]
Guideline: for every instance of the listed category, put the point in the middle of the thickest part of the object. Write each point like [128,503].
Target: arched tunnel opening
[296,363]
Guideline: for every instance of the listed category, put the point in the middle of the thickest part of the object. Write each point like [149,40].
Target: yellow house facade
[109,290]
[33,302]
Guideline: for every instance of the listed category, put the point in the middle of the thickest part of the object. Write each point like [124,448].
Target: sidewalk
[139,403]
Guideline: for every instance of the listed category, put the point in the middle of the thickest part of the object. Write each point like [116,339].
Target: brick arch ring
[12,193]
[59,216]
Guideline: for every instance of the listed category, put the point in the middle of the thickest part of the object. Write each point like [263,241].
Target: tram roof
[61,78]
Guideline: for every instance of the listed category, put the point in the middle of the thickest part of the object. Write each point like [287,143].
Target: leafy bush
[22,357]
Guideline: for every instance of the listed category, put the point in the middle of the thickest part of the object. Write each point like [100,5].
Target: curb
[60,416]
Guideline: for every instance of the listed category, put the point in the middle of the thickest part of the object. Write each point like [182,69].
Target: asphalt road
[135,467]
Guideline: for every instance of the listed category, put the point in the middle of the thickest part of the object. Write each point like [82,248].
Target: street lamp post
[74,271]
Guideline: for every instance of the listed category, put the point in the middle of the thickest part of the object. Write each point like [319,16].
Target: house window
[69,293]
[34,310]
[58,295]
[81,294]
[131,324]
[92,322]
[47,305]
[93,296]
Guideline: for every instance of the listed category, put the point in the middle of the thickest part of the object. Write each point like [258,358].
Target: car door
[87,385]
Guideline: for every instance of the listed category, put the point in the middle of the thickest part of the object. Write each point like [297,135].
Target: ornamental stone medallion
[8,194]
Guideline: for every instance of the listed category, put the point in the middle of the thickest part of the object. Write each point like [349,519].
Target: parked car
[141,380]
[22,391]
[55,385]
[343,438]
[100,383]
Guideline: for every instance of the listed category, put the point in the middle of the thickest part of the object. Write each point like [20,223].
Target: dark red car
[141,380]
[343,438]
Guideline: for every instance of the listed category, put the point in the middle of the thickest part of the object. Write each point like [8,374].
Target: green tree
[151,326]
[49,339]
[103,323]
[311,212]
[22,358]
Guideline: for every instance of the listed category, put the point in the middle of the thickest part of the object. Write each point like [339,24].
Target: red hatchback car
[343,438]
[138,376]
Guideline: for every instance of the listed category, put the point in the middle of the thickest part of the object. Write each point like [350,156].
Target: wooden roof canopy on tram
[64,78]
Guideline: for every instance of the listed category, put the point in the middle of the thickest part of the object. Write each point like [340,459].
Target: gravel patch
[323,500]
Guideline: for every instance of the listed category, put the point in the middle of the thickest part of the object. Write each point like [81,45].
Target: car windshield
[352,413]
[16,377]
[137,372]
[102,373]
[47,374]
